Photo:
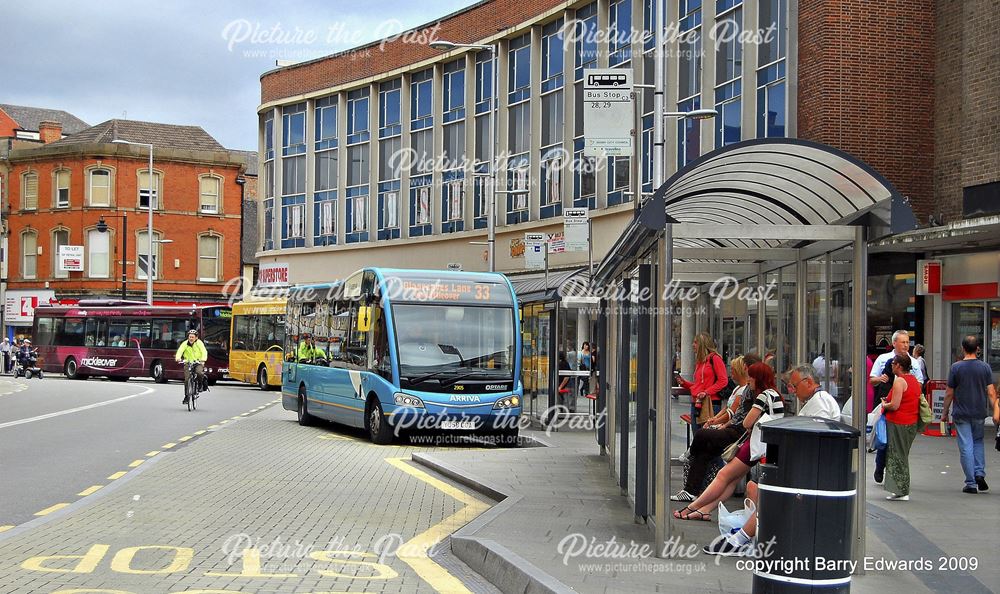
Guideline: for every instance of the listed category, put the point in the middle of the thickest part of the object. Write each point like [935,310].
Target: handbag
[730,452]
[880,436]
[757,447]
[926,414]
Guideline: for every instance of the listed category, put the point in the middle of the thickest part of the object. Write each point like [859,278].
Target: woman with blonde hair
[709,379]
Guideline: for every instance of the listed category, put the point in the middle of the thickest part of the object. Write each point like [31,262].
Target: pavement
[258,504]
[559,504]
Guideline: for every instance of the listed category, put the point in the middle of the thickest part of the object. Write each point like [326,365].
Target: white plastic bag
[731,521]
[873,418]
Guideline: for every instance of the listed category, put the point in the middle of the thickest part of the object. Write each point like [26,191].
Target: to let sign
[71,258]
[608,112]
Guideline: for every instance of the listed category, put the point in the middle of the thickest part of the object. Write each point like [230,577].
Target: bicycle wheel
[189,391]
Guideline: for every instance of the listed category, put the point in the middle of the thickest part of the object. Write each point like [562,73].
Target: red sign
[273,274]
[929,277]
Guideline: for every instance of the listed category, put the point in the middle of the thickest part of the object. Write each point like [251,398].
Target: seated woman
[720,431]
[767,399]
[813,402]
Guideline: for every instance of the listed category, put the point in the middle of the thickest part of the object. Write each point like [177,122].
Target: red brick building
[58,194]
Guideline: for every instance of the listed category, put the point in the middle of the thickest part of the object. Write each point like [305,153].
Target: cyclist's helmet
[192,331]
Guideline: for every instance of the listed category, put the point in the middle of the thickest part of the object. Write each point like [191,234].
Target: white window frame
[91,233]
[56,188]
[56,273]
[391,207]
[142,253]
[25,254]
[423,213]
[25,184]
[553,181]
[143,188]
[217,258]
[90,186]
[456,194]
[217,209]
[360,215]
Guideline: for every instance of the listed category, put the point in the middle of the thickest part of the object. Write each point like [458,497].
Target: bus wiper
[431,375]
[455,379]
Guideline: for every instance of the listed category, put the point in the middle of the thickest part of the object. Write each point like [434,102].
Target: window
[326,123]
[326,170]
[421,143]
[728,72]
[142,184]
[62,188]
[210,189]
[771,111]
[29,254]
[138,334]
[518,139]
[552,56]
[29,191]
[208,258]
[552,170]
[453,203]
[390,210]
[620,34]
[357,116]
[99,254]
[143,255]
[356,215]
[293,126]
[99,183]
[689,81]
[453,98]
[69,332]
[268,223]
[420,100]
[423,206]
[519,69]
[389,158]
[293,175]
[60,237]
[357,165]
[389,118]
[327,217]
[359,212]
[586,39]
[295,222]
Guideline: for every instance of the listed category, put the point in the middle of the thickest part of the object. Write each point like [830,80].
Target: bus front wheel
[305,419]
[378,428]
[72,370]
[157,372]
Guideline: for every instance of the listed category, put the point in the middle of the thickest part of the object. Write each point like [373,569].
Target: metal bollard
[805,511]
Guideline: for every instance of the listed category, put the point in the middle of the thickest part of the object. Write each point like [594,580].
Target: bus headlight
[508,402]
[402,399]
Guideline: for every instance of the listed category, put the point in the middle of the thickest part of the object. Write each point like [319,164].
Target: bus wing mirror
[364,322]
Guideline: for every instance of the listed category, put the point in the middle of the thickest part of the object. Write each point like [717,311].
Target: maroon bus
[119,340]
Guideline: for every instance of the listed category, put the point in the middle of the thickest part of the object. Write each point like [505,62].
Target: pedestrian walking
[881,377]
[5,354]
[902,412]
[970,383]
[710,378]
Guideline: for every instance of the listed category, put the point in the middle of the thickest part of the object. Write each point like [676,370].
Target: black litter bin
[805,517]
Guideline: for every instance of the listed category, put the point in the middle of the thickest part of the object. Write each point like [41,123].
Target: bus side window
[357,342]
[380,362]
[242,335]
[71,333]
[45,332]
[138,334]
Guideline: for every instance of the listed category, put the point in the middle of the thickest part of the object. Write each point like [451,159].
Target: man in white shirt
[881,379]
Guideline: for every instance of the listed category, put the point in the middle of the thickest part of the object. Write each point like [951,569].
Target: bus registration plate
[459,425]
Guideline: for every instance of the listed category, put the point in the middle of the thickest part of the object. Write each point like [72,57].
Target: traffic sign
[534,250]
[576,229]
[608,112]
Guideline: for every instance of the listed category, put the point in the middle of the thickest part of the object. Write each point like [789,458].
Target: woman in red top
[709,378]
[902,412]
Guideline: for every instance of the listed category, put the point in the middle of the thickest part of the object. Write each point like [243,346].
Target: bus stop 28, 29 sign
[607,112]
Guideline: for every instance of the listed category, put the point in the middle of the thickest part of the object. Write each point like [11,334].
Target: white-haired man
[881,378]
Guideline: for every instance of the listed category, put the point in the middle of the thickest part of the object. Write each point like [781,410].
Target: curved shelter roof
[757,186]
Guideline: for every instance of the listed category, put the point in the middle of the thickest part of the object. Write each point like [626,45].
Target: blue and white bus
[397,351]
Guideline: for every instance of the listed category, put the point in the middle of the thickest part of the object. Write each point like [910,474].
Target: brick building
[908,87]
[88,190]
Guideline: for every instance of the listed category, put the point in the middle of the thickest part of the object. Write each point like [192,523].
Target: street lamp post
[102,227]
[149,230]
[494,106]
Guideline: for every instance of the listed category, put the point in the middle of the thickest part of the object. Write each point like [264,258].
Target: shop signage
[71,258]
[19,306]
[274,273]
[928,277]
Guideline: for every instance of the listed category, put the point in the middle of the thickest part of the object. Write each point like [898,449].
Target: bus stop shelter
[788,214]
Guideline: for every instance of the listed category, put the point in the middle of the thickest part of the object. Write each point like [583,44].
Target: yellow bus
[258,336]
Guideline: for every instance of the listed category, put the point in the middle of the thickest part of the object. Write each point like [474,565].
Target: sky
[181,62]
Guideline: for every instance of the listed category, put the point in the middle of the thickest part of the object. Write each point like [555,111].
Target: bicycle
[192,385]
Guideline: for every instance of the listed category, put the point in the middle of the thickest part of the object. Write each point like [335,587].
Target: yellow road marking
[236,418]
[414,552]
[89,490]
[185,438]
[49,510]
[213,426]
[117,475]
[5,528]
[167,446]
[135,463]
[199,432]
[153,453]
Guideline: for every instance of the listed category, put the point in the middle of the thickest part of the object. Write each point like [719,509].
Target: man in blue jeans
[970,382]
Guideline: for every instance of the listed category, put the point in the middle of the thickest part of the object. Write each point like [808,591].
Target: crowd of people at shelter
[728,405]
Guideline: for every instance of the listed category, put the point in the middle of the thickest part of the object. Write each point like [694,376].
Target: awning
[762,182]
[532,288]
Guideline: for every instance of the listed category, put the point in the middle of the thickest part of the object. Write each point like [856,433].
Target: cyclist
[308,351]
[193,350]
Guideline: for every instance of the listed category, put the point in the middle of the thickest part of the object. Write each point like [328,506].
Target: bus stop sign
[608,112]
